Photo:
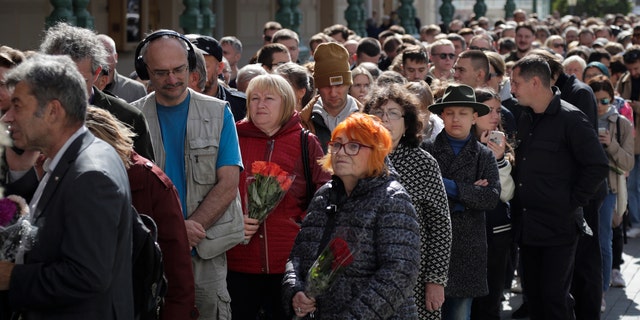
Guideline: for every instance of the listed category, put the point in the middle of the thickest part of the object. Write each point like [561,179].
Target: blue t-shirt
[173,126]
[229,149]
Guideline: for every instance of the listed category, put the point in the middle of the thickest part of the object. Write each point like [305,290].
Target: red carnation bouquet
[333,260]
[265,189]
[17,235]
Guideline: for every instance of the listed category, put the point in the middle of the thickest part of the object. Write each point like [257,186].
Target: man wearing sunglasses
[442,58]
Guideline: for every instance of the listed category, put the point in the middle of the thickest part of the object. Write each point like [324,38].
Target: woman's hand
[604,137]
[481,183]
[434,295]
[250,227]
[498,149]
[303,305]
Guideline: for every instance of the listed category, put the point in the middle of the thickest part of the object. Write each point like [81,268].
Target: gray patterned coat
[379,219]
[420,175]
[468,265]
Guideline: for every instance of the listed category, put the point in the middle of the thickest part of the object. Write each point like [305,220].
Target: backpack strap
[618,128]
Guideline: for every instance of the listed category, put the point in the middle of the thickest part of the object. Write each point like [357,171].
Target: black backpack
[149,282]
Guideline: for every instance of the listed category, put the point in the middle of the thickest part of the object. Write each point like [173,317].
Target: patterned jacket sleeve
[435,229]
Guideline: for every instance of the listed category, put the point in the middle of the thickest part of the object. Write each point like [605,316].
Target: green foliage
[593,8]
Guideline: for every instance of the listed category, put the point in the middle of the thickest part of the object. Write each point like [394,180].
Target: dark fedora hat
[459,95]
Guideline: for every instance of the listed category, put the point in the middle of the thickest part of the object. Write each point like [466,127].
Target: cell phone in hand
[496,137]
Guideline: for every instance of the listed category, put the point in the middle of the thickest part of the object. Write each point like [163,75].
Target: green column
[446,13]
[208,17]
[407,15]
[191,19]
[285,15]
[355,17]
[535,6]
[62,11]
[83,17]
[480,8]
[509,8]
[297,16]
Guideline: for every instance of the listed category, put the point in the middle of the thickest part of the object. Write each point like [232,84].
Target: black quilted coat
[378,219]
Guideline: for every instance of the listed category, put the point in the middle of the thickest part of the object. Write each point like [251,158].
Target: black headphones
[141,67]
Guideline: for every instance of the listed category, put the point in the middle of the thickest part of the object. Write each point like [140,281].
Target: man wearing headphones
[196,144]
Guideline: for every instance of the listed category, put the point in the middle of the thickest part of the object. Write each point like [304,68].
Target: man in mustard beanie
[332,105]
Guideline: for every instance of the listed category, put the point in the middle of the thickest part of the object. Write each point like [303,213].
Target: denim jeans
[605,235]
[633,189]
[456,308]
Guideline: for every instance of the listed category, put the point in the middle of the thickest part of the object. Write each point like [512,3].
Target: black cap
[209,45]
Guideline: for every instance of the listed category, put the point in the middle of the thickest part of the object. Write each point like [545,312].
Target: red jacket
[269,248]
[153,194]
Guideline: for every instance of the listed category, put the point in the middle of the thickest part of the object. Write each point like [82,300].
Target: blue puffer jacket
[380,221]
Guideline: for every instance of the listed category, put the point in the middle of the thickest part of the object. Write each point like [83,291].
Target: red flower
[342,256]
[333,260]
[265,188]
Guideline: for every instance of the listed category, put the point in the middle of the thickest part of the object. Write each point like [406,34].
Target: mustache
[172,86]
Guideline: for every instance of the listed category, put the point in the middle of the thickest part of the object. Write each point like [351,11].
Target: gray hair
[234,42]
[53,78]
[78,43]
[200,69]
[248,72]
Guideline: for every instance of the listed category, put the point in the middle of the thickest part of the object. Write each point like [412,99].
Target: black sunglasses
[267,38]
[446,55]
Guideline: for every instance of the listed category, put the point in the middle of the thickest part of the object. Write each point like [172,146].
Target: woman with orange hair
[365,205]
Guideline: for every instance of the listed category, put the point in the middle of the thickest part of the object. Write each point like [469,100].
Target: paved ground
[622,303]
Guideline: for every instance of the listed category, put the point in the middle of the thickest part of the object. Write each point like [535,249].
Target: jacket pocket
[203,157]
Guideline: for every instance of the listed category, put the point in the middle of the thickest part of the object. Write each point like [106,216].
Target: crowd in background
[466,160]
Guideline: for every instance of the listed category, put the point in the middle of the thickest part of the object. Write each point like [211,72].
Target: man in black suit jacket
[80,264]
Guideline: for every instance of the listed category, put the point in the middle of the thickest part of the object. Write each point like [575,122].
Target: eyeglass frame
[379,112]
[343,146]
[165,73]
[479,48]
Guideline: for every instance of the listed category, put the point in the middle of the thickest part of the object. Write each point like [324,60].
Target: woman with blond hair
[271,132]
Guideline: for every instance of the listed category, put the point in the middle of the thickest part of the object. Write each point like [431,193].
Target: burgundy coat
[153,194]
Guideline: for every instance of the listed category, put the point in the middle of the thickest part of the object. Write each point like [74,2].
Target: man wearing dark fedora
[470,175]
[559,166]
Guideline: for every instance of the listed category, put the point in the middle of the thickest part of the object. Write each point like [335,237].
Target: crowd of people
[424,175]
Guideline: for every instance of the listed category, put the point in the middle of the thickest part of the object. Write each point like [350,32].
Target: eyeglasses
[350,148]
[604,101]
[165,73]
[391,114]
[558,45]
[493,75]
[444,56]
[636,35]
[267,38]
[478,48]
